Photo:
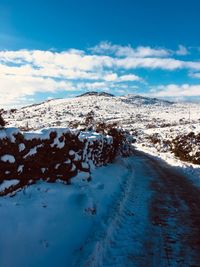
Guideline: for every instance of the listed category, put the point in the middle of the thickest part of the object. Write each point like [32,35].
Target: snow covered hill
[145,117]
[131,112]
[141,100]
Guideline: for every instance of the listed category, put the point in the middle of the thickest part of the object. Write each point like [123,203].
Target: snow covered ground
[116,220]
[48,224]
[129,111]
[88,223]
[143,116]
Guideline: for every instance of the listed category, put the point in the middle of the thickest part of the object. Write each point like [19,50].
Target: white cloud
[129,78]
[113,77]
[27,72]
[194,75]
[182,51]
[48,59]
[92,86]
[128,51]
[139,51]
[174,90]
[150,63]
[14,87]
[110,77]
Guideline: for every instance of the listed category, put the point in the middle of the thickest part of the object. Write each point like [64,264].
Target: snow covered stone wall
[53,153]
[185,146]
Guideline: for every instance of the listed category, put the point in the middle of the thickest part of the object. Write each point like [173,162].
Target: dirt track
[156,222]
[175,211]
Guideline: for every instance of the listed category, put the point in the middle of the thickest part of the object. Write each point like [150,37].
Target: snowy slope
[131,112]
[143,116]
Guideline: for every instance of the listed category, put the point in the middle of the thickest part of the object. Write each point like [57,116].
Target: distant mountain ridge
[143,100]
[128,99]
[93,93]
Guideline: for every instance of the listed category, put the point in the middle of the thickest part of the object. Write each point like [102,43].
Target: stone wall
[54,153]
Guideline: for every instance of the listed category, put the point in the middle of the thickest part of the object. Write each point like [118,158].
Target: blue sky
[64,47]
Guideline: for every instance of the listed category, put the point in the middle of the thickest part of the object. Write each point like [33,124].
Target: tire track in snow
[154,223]
[124,238]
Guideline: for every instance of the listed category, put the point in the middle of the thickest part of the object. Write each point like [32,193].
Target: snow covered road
[137,212]
[155,222]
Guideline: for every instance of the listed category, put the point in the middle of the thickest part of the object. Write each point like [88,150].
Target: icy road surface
[156,222]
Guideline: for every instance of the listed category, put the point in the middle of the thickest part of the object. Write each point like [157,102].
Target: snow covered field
[143,116]
[88,223]
[129,111]
[48,224]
